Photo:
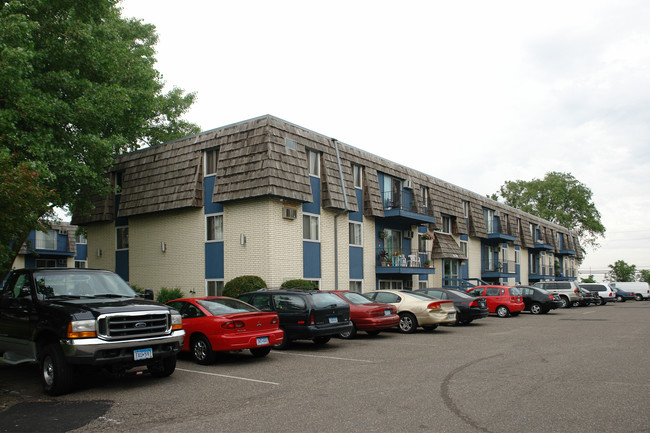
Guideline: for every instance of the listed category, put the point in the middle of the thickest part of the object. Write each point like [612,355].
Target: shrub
[137,289]
[299,284]
[240,285]
[166,294]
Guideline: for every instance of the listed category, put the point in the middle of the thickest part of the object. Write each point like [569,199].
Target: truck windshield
[51,284]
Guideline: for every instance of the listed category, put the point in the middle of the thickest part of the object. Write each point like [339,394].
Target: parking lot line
[324,357]
[227,376]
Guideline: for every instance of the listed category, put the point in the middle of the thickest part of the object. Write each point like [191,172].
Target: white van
[640,289]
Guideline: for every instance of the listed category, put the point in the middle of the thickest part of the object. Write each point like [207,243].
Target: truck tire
[163,368]
[56,373]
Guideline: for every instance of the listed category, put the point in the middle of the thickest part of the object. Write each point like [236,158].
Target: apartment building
[269,198]
[60,246]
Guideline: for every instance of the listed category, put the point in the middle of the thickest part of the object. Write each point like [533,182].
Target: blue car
[622,295]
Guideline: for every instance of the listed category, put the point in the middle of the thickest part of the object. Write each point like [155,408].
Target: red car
[221,324]
[367,315]
[503,300]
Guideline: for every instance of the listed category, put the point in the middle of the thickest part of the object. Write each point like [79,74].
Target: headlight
[82,329]
[177,321]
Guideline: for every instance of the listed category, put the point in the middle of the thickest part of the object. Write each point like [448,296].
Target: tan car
[416,309]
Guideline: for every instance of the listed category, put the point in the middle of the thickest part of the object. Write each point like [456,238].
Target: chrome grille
[124,326]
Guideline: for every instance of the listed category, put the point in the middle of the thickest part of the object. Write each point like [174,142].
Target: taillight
[233,324]
[552,297]
[274,320]
[473,304]
[611,294]
[433,306]
[312,322]
[575,290]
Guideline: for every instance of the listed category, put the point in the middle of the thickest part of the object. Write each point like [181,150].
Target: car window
[438,294]
[420,296]
[492,291]
[289,303]
[456,294]
[218,306]
[356,298]
[476,292]
[563,286]
[322,300]
[259,301]
[388,298]
[514,291]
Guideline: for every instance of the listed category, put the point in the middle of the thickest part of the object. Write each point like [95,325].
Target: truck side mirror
[148,294]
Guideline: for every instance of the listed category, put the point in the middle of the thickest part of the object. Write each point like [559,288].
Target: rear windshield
[324,300]
[543,291]
[514,291]
[420,296]
[225,306]
[356,298]
[596,287]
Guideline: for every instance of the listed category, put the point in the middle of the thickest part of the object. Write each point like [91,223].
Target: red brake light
[312,322]
[473,304]
[551,296]
[233,324]
[433,306]
[274,320]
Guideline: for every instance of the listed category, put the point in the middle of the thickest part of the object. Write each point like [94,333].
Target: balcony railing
[406,259]
[507,267]
[393,200]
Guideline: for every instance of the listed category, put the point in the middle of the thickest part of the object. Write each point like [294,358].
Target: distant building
[269,198]
[59,247]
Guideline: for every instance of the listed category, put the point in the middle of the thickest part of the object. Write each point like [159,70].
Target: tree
[559,198]
[589,279]
[644,275]
[621,271]
[77,87]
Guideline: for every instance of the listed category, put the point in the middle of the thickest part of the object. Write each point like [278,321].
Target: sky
[472,92]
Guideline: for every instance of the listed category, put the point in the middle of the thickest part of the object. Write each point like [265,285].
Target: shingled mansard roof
[254,161]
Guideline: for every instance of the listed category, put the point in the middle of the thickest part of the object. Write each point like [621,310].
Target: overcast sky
[475,93]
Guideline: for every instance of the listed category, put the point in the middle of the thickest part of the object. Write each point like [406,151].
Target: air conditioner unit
[408,184]
[289,213]
[408,234]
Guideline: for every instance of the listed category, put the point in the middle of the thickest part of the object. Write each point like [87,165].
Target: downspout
[346,210]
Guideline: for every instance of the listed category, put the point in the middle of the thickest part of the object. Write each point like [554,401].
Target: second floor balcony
[403,207]
[404,262]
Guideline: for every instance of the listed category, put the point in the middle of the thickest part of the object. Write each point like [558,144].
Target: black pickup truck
[63,318]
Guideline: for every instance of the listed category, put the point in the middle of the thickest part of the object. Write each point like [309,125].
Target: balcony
[409,262]
[495,231]
[499,269]
[403,209]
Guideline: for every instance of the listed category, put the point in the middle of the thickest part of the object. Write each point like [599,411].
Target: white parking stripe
[324,357]
[227,376]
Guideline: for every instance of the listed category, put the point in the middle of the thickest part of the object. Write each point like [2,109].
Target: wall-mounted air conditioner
[289,213]
[408,234]
[408,184]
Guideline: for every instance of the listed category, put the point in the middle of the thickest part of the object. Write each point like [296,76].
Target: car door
[527,295]
[17,315]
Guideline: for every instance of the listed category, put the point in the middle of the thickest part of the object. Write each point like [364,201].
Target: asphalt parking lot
[575,370]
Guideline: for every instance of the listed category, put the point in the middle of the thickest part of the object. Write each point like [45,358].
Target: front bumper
[95,351]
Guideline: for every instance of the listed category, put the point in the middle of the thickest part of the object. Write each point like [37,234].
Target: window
[422,284]
[118,183]
[290,144]
[80,238]
[46,240]
[450,271]
[392,241]
[214,287]
[310,227]
[517,257]
[122,238]
[559,240]
[314,163]
[392,189]
[465,208]
[422,244]
[358,176]
[425,196]
[464,247]
[214,227]
[211,158]
[45,263]
[356,286]
[80,264]
[447,223]
[355,234]
[488,215]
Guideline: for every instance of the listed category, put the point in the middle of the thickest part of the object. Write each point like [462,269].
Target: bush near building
[166,294]
[240,285]
[299,284]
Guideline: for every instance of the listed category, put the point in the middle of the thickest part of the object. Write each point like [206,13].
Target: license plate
[334,320]
[139,354]
[386,312]
[262,341]
[451,315]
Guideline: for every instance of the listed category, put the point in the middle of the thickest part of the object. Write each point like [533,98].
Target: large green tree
[77,86]
[559,198]
[621,271]
[644,275]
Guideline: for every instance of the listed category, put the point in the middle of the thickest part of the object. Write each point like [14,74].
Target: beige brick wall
[369,254]
[474,255]
[101,236]
[523,268]
[181,265]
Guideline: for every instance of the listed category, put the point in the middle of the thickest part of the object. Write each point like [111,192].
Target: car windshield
[322,300]
[457,294]
[356,298]
[514,291]
[217,306]
[53,284]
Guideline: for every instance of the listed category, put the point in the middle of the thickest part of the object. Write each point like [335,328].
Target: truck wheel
[201,350]
[163,368]
[56,373]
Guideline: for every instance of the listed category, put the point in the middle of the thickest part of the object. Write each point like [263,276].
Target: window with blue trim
[310,227]
[214,228]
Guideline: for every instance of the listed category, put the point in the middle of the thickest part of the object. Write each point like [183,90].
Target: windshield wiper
[110,295]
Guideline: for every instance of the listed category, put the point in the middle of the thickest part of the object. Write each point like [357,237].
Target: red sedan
[221,324]
[367,315]
[502,300]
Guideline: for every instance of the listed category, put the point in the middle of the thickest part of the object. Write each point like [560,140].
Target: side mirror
[148,294]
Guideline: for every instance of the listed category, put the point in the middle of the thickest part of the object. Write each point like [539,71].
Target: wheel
[163,368]
[321,340]
[620,299]
[284,344]
[350,333]
[638,297]
[261,352]
[202,350]
[372,333]
[601,301]
[429,327]
[407,323]
[502,311]
[565,302]
[536,308]
[56,373]
[576,304]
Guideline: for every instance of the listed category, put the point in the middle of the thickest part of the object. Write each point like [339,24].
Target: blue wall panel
[311,260]
[208,189]
[313,207]
[122,264]
[356,263]
[213,260]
